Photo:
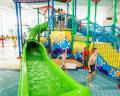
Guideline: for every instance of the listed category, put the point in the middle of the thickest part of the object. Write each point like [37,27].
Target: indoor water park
[59,47]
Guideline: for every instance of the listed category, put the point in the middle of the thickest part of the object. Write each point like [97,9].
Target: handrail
[103,32]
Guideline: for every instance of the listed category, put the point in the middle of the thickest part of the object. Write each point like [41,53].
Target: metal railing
[61,21]
[112,28]
[107,43]
[101,34]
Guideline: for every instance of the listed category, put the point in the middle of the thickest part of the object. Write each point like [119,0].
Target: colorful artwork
[44,41]
[78,50]
[61,40]
[107,69]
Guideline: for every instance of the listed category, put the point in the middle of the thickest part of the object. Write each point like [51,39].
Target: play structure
[61,40]
[40,75]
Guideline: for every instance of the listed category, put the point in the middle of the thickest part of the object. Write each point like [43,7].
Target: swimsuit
[92,67]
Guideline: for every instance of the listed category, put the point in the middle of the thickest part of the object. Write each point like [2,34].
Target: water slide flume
[40,76]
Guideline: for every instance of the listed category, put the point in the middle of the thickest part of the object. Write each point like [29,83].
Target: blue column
[49,25]
[53,13]
[48,14]
[20,27]
[67,8]
[75,15]
[18,13]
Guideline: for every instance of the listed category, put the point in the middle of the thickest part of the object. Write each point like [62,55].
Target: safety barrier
[61,22]
[108,46]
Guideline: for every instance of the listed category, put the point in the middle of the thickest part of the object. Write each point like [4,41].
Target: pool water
[9,80]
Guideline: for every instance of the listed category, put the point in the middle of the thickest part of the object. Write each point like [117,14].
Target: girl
[64,57]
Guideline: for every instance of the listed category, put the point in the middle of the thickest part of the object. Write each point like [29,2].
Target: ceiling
[11,5]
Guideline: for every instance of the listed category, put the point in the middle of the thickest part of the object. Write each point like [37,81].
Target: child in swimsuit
[64,56]
[91,65]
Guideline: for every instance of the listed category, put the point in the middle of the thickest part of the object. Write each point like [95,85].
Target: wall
[8,20]
[82,11]
[29,16]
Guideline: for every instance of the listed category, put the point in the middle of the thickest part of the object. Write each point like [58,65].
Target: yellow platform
[110,55]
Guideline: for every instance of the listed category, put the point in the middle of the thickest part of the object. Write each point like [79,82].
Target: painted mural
[61,40]
[104,67]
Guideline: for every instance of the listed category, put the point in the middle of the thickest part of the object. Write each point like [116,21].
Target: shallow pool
[9,80]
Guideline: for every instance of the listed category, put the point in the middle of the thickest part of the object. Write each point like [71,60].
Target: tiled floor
[8,56]
[102,84]
[9,70]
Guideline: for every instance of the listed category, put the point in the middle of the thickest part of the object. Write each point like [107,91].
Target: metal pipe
[88,29]
[95,16]
[18,27]
[115,15]
[67,8]
[48,14]
[20,18]
[88,24]
[73,21]
[75,8]
[53,15]
[115,18]
[38,16]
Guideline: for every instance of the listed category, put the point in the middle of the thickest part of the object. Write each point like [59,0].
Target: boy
[91,65]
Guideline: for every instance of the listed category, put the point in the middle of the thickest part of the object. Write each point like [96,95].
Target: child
[64,56]
[91,65]
[62,18]
[59,18]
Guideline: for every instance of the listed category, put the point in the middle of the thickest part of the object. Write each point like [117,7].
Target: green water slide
[40,76]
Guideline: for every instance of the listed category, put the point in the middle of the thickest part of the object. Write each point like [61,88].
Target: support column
[53,14]
[95,16]
[88,29]
[67,8]
[115,19]
[73,21]
[48,14]
[75,8]
[38,16]
[75,16]
[19,27]
[38,22]
[115,15]
[49,25]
